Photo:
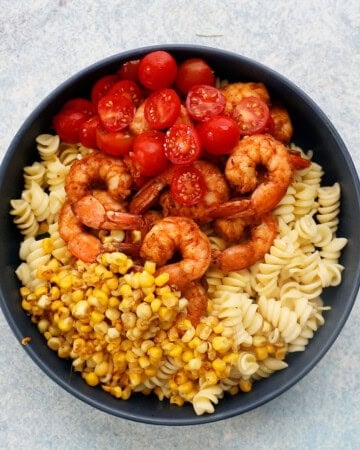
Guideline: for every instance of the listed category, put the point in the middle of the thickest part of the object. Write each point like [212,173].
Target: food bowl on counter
[277,327]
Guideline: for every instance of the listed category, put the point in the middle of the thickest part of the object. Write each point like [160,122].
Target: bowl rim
[206,50]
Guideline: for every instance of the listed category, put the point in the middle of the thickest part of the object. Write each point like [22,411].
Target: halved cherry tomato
[157,70]
[128,88]
[204,101]
[87,133]
[188,186]
[193,71]
[101,87]
[129,70]
[80,104]
[116,112]
[113,143]
[251,115]
[219,134]
[162,108]
[182,144]
[67,124]
[148,152]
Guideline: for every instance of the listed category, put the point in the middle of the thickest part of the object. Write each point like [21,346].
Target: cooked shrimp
[196,296]
[283,129]
[177,234]
[100,211]
[260,166]
[217,191]
[235,92]
[139,123]
[81,243]
[230,229]
[245,254]
[98,170]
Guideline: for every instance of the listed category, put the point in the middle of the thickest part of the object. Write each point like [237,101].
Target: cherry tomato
[128,88]
[79,104]
[101,87]
[188,186]
[113,143]
[116,112]
[129,70]
[148,152]
[219,134]
[182,144]
[87,133]
[193,71]
[162,108]
[252,115]
[204,101]
[67,124]
[157,70]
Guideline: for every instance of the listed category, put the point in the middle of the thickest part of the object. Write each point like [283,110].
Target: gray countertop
[313,43]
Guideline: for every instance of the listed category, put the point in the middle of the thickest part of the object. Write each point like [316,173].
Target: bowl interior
[312,131]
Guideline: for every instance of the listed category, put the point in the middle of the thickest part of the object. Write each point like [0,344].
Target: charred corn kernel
[96,317]
[177,400]
[261,353]
[83,328]
[101,296]
[155,305]
[202,348]
[64,351]
[245,385]
[41,290]
[66,282]
[128,319]
[144,362]
[187,356]
[56,305]
[280,353]
[116,391]
[162,279]
[188,336]
[219,328]
[54,343]
[186,388]
[195,342]
[270,348]
[210,378]
[169,300]
[91,378]
[101,369]
[126,393]
[180,378]
[24,291]
[231,358]
[165,314]
[126,345]
[184,324]
[77,295]
[112,314]
[114,302]
[47,245]
[65,324]
[144,311]
[43,325]
[194,363]
[219,366]
[101,328]
[146,280]
[125,290]
[221,344]
[134,378]
[150,267]
[203,331]
[234,390]
[150,371]
[112,283]
[155,353]
[175,351]
[55,293]
[113,333]
[26,305]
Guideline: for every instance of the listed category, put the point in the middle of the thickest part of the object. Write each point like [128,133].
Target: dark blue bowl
[313,130]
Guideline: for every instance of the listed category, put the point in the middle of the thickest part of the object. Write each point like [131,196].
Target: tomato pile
[183,112]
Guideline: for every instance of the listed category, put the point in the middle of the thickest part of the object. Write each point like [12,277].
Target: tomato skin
[182,144]
[116,112]
[87,133]
[219,134]
[67,124]
[252,116]
[113,143]
[79,104]
[101,87]
[188,186]
[129,70]
[191,72]
[148,153]
[128,88]
[157,70]
[162,108]
[204,101]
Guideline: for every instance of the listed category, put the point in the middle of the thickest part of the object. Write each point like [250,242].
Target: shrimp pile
[241,192]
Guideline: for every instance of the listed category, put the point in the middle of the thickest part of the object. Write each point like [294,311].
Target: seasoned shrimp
[139,123]
[245,254]
[283,129]
[259,165]
[217,191]
[98,170]
[100,211]
[81,243]
[235,92]
[196,295]
[177,234]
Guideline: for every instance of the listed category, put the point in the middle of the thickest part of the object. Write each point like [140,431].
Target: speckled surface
[316,45]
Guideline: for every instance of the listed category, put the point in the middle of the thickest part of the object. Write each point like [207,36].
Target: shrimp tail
[297,161]
[233,208]
[123,221]
[196,295]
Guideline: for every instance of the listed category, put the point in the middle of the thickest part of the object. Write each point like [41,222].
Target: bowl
[313,130]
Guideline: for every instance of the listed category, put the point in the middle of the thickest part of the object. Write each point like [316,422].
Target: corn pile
[126,330]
